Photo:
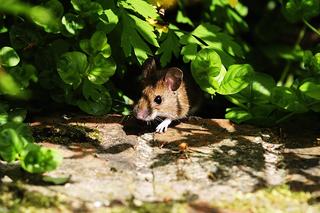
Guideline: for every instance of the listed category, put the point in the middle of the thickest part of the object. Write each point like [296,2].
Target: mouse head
[160,97]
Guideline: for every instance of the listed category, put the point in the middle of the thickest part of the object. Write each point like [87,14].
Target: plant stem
[292,113]
[285,117]
[284,73]
[286,69]
[311,27]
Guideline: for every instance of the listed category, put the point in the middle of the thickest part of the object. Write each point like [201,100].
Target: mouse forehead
[153,90]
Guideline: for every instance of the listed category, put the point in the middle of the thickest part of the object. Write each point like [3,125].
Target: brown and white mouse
[164,96]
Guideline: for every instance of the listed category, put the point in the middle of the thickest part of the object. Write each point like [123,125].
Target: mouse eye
[158,99]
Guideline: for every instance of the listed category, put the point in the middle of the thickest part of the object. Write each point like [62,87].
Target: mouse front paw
[163,126]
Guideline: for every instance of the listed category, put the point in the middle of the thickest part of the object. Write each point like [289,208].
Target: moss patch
[15,198]
[280,199]
[274,199]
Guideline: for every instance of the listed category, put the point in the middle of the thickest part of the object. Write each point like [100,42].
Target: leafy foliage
[16,143]
[74,52]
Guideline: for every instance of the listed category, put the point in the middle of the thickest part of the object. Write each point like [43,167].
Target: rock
[111,159]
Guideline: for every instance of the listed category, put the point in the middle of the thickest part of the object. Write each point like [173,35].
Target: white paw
[163,126]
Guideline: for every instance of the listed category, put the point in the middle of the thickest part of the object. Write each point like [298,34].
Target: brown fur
[174,105]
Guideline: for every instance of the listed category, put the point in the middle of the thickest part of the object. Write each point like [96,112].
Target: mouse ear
[148,67]
[173,78]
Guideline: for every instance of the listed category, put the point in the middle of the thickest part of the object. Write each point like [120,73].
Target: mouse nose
[140,113]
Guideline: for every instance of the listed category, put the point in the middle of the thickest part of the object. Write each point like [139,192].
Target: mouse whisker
[158,119]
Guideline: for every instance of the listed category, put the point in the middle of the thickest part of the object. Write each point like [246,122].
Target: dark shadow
[301,139]
[204,208]
[118,148]
[75,138]
[206,144]
[133,126]
[305,170]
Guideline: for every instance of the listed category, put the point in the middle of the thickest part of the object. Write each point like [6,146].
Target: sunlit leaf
[72,23]
[207,70]
[101,69]
[170,46]
[236,79]
[140,6]
[37,159]
[71,67]
[108,21]
[237,115]
[8,57]
[311,89]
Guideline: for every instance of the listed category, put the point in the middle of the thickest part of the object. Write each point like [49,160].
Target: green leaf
[22,129]
[215,39]
[8,57]
[230,17]
[262,110]
[296,10]
[170,46]
[56,180]
[101,69]
[86,6]
[85,46]
[287,52]
[97,99]
[189,52]
[236,79]
[134,41]
[99,42]
[311,89]
[210,36]
[13,139]
[237,115]
[287,99]
[72,23]
[3,29]
[181,18]
[315,63]
[37,14]
[258,91]
[3,114]
[263,114]
[141,7]
[71,67]
[56,7]
[44,18]
[207,70]
[108,21]
[9,86]
[37,159]
[145,30]
[3,118]
[24,74]
[10,144]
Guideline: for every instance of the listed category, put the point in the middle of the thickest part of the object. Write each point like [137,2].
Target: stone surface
[117,159]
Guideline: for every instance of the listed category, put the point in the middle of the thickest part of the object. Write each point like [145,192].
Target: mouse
[164,96]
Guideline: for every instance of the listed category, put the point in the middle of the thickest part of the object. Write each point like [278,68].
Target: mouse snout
[140,113]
